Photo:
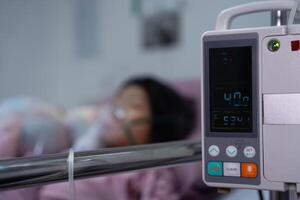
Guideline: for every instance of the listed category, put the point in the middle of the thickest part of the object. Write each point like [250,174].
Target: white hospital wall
[39,57]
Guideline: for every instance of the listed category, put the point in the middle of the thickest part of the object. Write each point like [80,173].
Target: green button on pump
[214,168]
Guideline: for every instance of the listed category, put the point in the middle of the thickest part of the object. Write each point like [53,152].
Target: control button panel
[234,161]
[231,151]
[214,150]
[232,169]
[215,168]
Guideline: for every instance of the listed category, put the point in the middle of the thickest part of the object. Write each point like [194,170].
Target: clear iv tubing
[293,13]
[71,174]
[40,145]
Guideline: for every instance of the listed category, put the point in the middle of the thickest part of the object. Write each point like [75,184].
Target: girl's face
[134,101]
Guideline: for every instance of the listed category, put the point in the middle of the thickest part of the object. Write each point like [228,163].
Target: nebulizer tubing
[127,129]
[119,113]
[40,145]
[156,119]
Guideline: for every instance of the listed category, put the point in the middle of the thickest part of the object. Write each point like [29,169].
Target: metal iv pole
[278,18]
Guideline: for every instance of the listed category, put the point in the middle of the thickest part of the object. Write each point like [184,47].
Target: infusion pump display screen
[230,89]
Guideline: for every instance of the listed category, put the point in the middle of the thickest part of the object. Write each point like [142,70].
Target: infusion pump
[251,102]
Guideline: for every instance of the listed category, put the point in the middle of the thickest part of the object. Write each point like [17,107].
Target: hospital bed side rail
[45,169]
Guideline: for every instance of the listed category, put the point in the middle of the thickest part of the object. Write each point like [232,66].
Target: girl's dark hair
[173,115]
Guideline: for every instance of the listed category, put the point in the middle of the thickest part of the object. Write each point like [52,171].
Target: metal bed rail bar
[45,169]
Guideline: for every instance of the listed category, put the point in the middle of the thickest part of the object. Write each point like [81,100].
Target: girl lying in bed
[144,111]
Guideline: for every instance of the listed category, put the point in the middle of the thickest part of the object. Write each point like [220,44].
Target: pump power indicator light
[273,45]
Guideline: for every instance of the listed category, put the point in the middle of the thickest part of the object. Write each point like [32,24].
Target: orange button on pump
[249,170]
